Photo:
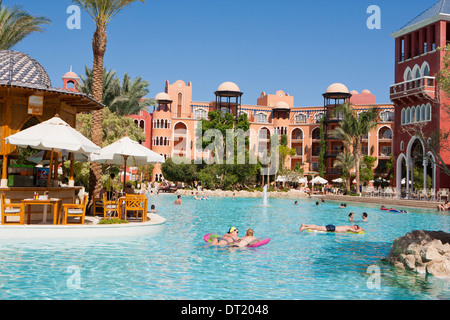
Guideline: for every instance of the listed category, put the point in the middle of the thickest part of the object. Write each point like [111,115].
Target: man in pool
[229,238]
[331,228]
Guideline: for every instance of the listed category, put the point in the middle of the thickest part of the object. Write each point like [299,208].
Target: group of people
[232,239]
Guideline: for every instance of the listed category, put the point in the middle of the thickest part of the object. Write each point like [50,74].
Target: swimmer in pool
[245,240]
[331,228]
[229,238]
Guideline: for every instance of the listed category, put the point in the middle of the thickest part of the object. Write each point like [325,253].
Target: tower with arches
[418,102]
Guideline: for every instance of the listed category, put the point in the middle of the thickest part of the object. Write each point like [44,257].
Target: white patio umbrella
[319,179]
[124,150]
[282,179]
[53,135]
[303,180]
[338,180]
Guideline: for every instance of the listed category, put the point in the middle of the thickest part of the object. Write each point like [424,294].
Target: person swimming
[227,239]
[332,228]
[245,240]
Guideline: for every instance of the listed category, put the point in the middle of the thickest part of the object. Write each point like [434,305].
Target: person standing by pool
[229,238]
[331,228]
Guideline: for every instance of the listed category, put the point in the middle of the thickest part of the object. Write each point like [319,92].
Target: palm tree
[102,12]
[16,24]
[122,98]
[353,128]
[345,161]
[110,87]
[131,98]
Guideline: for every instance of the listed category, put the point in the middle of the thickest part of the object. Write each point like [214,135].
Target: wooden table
[55,202]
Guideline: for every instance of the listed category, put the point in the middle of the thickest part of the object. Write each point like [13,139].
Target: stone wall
[423,252]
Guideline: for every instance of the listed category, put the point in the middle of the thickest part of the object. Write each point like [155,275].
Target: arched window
[428,112]
[262,117]
[179,104]
[300,118]
[425,69]
[403,116]
[200,113]
[297,134]
[318,117]
[416,72]
[422,113]
[315,134]
[417,115]
[407,75]
[408,115]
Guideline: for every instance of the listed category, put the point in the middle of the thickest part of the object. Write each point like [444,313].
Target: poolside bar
[27,98]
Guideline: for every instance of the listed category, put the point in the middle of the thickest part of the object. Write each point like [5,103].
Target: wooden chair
[75,210]
[137,204]
[12,210]
[98,204]
[110,207]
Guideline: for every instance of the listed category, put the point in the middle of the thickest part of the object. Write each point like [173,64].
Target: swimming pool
[177,264]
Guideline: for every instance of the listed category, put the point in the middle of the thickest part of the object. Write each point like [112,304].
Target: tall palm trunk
[358,156]
[99,48]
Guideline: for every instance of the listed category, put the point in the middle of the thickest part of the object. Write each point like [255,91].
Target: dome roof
[18,68]
[162,96]
[71,75]
[337,88]
[228,86]
[282,105]
[366,91]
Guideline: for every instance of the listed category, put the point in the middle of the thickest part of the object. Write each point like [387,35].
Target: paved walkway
[388,202]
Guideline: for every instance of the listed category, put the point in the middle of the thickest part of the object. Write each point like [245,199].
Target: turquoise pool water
[177,264]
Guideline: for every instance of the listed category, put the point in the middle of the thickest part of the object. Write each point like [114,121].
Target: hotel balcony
[385,152]
[424,87]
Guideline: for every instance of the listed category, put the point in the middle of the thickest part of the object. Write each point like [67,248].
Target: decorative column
[425,164]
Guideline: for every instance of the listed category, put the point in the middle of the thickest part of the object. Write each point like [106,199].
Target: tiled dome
[18,68]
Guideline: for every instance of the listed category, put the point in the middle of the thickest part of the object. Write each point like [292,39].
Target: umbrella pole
[72,159]
[125,172]
[50,169]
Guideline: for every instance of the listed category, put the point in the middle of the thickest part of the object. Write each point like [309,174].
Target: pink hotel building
[170,129]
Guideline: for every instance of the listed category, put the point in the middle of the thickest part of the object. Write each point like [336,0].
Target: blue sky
[300,47]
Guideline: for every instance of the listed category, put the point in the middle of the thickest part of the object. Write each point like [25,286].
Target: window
[315,134]
[318,117]
[428,112]
[297,134]
[200,113]
[262,117]
[179,104]
[402,146]
[387,116]
[300,118]
[403,116]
